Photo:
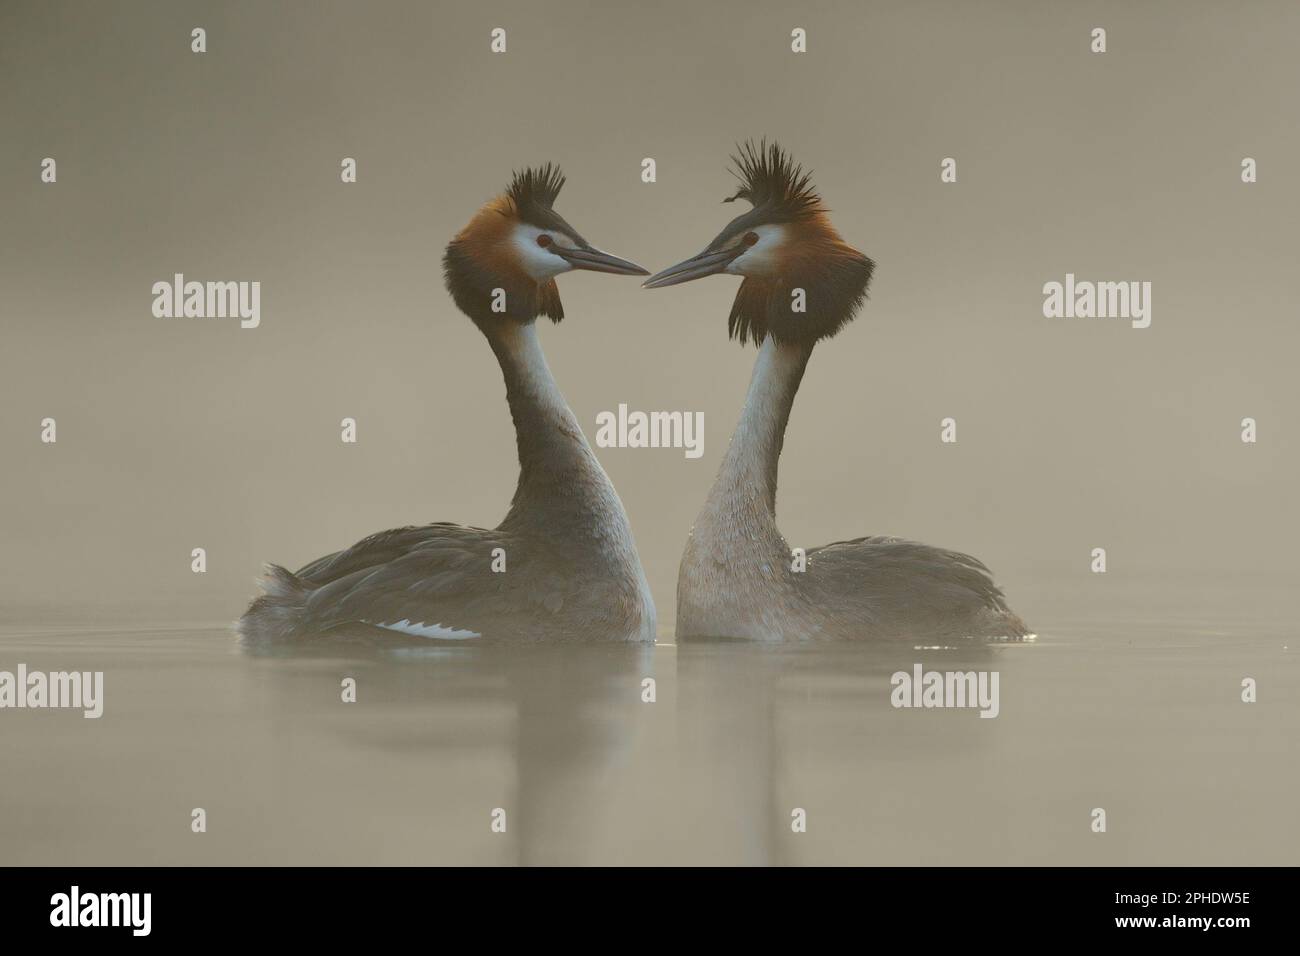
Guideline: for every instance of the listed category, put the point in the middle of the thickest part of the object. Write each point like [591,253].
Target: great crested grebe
[571,569]
[737,576]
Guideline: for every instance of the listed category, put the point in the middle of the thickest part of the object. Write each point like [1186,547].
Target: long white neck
[741,506]
[564,496]
[531,390]
[560,479]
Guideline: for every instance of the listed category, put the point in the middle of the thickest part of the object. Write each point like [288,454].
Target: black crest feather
[533,190]
[772,181]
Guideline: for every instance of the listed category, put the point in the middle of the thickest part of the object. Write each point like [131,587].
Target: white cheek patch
[761,256]
[539,263]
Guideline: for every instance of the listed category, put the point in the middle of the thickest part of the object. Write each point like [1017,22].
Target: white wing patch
[429,630]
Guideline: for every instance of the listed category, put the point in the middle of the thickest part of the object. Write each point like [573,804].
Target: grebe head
[502,265]
[802,282]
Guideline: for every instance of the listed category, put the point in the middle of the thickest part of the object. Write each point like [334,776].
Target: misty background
[1072,434]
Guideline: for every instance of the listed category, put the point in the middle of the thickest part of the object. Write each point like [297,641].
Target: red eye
[543,241]
[750,238]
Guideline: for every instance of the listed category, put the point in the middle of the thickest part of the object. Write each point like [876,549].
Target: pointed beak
[593,260]
[697,267]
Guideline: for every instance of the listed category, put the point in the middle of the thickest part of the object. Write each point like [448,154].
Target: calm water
[1142,719]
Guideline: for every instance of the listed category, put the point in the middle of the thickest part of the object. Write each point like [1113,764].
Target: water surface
[1142,719]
